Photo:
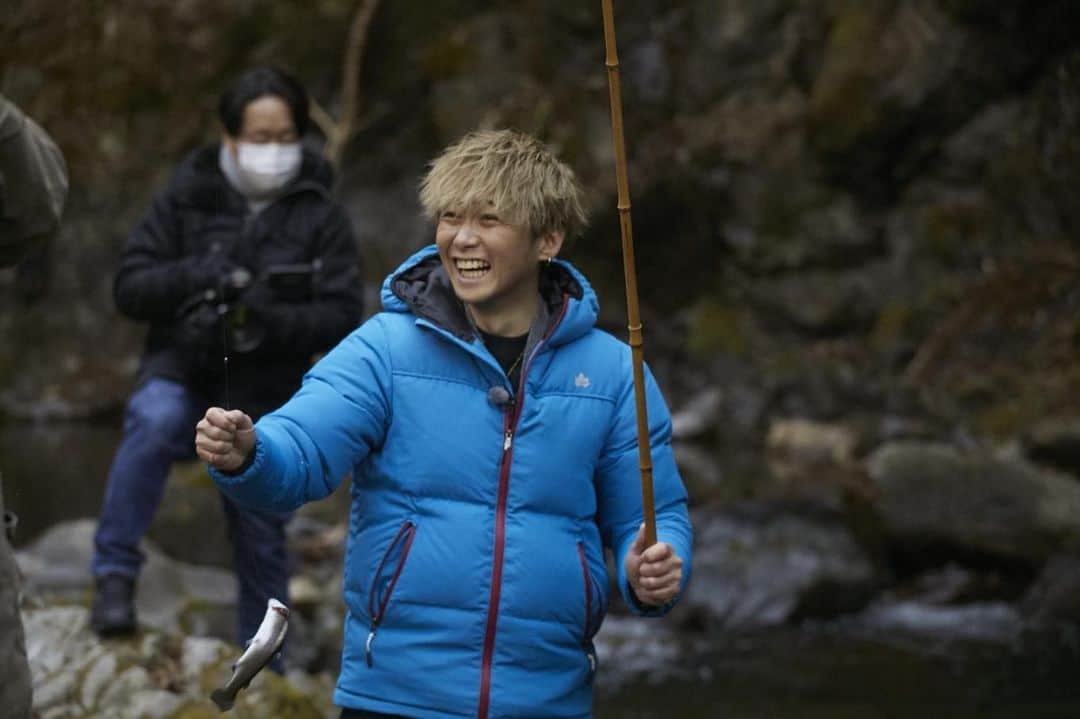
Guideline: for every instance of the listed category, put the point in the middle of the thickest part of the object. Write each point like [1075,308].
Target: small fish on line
[260,651]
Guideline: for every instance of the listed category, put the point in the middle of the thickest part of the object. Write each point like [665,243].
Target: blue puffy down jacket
[475,576]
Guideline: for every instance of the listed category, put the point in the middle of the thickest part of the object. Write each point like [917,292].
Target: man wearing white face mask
[244,253]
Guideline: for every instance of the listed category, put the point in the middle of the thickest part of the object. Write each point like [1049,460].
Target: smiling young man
[491,434]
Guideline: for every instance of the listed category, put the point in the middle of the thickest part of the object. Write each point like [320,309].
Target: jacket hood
[420,285]
[199,180]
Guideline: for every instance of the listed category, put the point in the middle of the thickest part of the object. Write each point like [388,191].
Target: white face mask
[268,166]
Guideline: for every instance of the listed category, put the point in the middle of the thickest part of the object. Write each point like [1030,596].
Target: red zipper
[586,641]
[509,425]
[407,531]
[588,590]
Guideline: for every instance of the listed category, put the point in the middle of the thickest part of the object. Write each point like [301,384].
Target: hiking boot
[113,611]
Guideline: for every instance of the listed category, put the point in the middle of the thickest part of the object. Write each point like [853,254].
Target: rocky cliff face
[829,196]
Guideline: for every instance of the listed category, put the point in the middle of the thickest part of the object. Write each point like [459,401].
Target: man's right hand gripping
[225,439]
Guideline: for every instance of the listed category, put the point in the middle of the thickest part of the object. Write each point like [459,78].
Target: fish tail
[223,699]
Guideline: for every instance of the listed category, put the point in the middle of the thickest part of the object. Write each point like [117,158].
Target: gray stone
[198,653]
[65,711]
[55,636]
[125,686]
[53,690]
[760,566]
[168,593]
[96,678]
[987,621]
[150,704]
[60,558]
[931,494]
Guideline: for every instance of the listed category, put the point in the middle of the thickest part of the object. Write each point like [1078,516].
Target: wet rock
[932,495]
[988,621]
[757,565]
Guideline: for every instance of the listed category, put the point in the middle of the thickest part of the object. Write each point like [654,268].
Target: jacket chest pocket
[385,579]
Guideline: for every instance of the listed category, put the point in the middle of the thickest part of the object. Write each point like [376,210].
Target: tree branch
[353,63]
[322,118]
[338,133]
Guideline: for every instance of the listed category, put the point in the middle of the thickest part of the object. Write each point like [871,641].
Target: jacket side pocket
[385,579]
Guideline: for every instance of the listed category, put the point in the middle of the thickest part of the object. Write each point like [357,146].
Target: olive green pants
[15,682]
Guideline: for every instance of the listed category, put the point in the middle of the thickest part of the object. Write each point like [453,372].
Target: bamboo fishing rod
[632,311]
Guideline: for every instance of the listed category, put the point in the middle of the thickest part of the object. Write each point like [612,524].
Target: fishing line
[223,310]
[223,313]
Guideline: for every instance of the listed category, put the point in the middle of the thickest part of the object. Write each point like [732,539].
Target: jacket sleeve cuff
[251,468]
[648,610]
[632,602]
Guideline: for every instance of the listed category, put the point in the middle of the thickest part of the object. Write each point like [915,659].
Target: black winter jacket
[198,229]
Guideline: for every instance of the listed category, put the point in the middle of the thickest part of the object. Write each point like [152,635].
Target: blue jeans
[159,429]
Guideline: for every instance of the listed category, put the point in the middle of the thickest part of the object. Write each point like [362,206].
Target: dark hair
[256,83]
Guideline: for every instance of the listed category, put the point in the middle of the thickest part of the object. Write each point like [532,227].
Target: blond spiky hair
[513,173]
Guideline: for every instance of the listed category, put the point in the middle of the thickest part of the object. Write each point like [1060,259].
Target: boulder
[170,595]
[931,495]
[757,565]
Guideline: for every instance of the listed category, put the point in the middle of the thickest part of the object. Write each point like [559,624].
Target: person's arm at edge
[34,182]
